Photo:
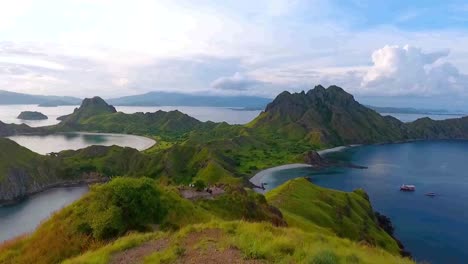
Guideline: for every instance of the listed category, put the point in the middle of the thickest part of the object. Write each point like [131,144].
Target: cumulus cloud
[237,82]
[410,71]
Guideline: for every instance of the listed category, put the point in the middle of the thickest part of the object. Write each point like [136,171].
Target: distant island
[32,115]
[9,98]
[411,110]
[56,103]
[196,99]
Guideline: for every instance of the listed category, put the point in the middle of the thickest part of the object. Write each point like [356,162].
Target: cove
[24,217]
[433,229]
[57,142]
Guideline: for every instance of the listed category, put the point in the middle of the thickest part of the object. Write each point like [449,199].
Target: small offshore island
[297,222]
[32,115]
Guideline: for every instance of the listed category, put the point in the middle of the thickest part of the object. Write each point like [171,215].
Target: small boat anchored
[407,188]
[430,194]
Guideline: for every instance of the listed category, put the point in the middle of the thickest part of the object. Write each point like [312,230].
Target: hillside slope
[238,223]
[236,242]
[348,215]
[23,172]
[95,115]
[12,129]
[330,114]
[332,117]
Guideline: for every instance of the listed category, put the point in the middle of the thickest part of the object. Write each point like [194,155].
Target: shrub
[121,205]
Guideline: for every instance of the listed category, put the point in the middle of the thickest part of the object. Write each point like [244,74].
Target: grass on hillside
[255,241]
[125,205]
[347,214]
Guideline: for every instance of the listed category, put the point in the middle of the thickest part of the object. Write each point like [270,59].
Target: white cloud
[10,11]
[236,82]
[113,48]
[31,61]
[410,71]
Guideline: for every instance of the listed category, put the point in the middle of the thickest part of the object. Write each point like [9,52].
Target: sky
[387,53]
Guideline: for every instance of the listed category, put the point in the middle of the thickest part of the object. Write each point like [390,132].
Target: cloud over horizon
[409,71]
[114,48]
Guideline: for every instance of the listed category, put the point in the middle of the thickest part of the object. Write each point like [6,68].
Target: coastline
[69,184]
[256,180]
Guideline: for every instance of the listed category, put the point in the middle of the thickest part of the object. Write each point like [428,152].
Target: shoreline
[148,142]
[256,180]
[70,184]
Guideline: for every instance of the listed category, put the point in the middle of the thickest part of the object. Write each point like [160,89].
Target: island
[32,115]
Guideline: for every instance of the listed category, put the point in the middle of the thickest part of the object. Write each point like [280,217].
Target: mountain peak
[330,116]
[89,107]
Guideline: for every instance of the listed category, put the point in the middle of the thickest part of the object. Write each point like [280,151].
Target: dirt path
[198,247]
[203,247]
[136,255]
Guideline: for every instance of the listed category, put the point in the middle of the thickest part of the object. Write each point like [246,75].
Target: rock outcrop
[32,115]
[89,107]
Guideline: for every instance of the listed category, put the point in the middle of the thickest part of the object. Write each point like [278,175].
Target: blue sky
[395,53]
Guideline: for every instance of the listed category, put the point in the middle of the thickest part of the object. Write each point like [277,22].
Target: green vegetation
[14,156]
[12,129]
[324,226]
[243,241]
[348,215]
[125,205]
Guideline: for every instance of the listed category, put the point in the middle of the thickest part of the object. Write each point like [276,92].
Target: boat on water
[431,194]
[407,188]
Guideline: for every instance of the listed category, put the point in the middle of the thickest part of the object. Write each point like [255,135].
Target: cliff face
[23,172]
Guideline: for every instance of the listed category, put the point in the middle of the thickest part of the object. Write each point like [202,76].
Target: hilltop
[96,115]
[12,129]
[330,115]
[238,226]
[89,107]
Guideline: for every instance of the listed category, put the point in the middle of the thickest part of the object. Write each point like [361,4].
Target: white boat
[407,188]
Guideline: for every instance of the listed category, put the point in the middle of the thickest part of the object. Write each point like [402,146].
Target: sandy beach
[257,178]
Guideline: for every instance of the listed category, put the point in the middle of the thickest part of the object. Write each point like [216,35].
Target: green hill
[89,107]
[170,228]
[95,115]
[12,129]
[331,116]
[348,215]
[23,172]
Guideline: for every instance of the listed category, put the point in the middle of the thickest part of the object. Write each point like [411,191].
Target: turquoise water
[24,217]
[44,144]
[432,229]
